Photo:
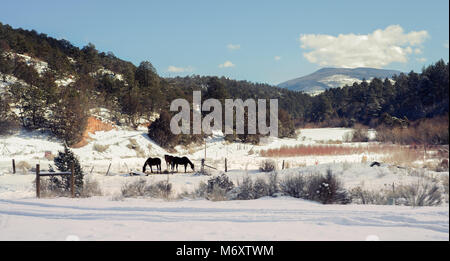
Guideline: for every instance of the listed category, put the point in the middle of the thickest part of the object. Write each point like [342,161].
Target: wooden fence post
[14,166]
[226,169]
[203,165]
[38,182]
[108,169]
[72,180]
[393,193]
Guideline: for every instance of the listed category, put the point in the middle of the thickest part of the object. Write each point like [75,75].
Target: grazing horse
[182,161]
[152,162]
[168,160]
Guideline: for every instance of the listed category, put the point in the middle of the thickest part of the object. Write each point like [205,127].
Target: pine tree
[69,117]
[63,162]
[160,132]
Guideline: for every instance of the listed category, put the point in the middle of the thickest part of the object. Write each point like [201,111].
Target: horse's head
[192,166]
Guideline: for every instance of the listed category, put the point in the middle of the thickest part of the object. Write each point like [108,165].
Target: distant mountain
[327,78]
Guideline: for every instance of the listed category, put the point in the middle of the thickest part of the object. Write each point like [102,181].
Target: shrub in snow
[204,172]
[325,189]
[330,190]
[222,181]
[361,196]
[23,166]
[140,188]
[249,189]
[444,180]
[422,193]
[134,189]
[217,194]
[90,188]
[215,188]
[246,190]
[261,188]
[117,197]
[294,186]
[161,189]
[360,133]
[273,184]
[200,192]
[267,166]
[100,148]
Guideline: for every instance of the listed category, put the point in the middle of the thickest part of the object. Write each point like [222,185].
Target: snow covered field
[23,217]
[262,219]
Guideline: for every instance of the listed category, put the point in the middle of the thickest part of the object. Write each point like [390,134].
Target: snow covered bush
[90,188]
[273,183]
[100,148]
[444,180]
[294,186]
[422,193]
[326,189]
[360,133]
[267,166]
[203,172]
[140,188]
[217,193]
[23,166]
[215,189]
[329,190]
[261,188]
[161,189]
[246,190]
[362,196]
[134,189]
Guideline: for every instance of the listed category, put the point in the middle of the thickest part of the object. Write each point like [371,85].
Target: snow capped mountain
[327,78]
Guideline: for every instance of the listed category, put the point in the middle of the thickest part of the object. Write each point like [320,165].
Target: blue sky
[259,41]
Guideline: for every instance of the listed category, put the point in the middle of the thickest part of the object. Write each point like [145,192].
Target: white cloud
[446,44]
[422,59]
[233,47]
[175,69]
[277,58]
[377,49]
[226,64]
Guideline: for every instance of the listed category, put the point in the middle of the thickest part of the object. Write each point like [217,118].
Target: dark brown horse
[152,162]
[182,161]
[168,159]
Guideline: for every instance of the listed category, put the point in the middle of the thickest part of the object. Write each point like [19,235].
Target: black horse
[152,162]
[182,161]
[168,159]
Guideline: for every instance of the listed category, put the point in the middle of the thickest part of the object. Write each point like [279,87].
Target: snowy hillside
[327,78]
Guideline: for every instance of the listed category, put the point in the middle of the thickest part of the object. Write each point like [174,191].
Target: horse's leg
[185,165]
[151,169]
